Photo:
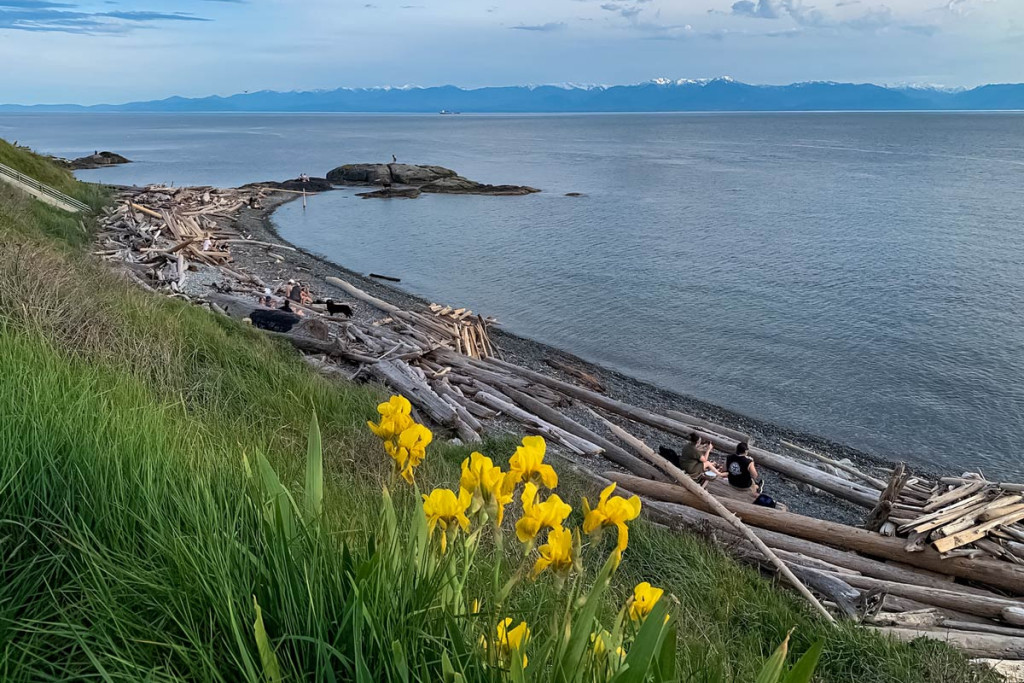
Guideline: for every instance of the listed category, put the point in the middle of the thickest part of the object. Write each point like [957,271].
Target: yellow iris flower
[559,554]
[527,463]
[611,512]
[394,418]
[492,489]
[405,441]
[645,596]
[446,510]
[409,449]
[536,516]
[511,640]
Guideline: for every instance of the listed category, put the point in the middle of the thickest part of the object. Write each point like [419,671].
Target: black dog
[276,320]
[338,309]
[669,455]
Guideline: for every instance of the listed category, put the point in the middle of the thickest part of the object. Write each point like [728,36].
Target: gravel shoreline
[273,265]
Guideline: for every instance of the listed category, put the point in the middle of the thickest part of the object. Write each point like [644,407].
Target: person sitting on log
[693,460]
[741,469]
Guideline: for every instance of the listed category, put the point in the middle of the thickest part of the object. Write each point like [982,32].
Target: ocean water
[858,276]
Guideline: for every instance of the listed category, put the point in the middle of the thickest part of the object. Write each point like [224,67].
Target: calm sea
[857,276]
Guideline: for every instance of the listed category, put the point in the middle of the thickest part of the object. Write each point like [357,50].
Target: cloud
[626,11]
[550,26]
[874,19]
[964,7]
[34,4]
[150,16]
[762,9]
[776,9]
[63,21]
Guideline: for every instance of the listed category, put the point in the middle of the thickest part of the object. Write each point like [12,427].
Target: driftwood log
[701,423]
[972,644]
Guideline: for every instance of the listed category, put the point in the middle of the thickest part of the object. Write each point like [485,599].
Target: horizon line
[568,86]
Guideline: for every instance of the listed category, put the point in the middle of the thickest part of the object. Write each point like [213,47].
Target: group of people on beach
[694,459]
[291,291]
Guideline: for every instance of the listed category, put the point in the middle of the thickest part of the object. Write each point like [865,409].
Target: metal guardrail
[44,189]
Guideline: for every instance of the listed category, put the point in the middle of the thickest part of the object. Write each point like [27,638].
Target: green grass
[129,549]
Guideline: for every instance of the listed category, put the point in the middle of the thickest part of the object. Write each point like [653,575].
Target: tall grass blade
[804,669]
[271,668]
[314,497]
[771,672]
[648,642]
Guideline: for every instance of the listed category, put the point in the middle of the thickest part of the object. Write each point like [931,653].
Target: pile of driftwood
[963,516]
[443,360]
[158,233]
[470,330]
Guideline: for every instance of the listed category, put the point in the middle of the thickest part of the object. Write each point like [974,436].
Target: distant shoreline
[721,94]
[485,114]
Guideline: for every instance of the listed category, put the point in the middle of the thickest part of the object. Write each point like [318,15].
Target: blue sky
[118,50]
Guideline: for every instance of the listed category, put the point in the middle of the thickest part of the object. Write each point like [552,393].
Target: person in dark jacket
[741,469]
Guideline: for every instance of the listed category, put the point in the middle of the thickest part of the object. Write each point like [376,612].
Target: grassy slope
[126,551]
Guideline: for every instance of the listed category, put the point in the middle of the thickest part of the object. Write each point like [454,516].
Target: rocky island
[96,160]
[409,180]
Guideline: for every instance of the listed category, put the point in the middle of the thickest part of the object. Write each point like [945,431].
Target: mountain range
[659,95]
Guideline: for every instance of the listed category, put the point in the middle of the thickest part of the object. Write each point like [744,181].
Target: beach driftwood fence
[940,559]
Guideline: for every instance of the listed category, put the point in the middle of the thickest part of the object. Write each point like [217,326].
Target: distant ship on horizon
[445,112]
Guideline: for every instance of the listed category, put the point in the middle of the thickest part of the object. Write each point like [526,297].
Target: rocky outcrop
[97,160]
[395,174]
[460,185]
[432,179]
[391,193]
[297,185]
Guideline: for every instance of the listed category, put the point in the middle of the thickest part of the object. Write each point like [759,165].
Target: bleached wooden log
[611,451]
[492,398]
[701,423]
[982,606]
[418,392]
[982,628]
[588,379]
[694,489]
[958,493]
[923,618]
[1005,486]
[700,521]
[839,487]
[874,482]
[834,590]
[970,643]
[145,210]
[333,349]
[943,516]
[812,562]
[948,543]
[459,403]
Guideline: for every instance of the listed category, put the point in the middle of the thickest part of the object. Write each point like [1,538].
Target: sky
[109,51]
